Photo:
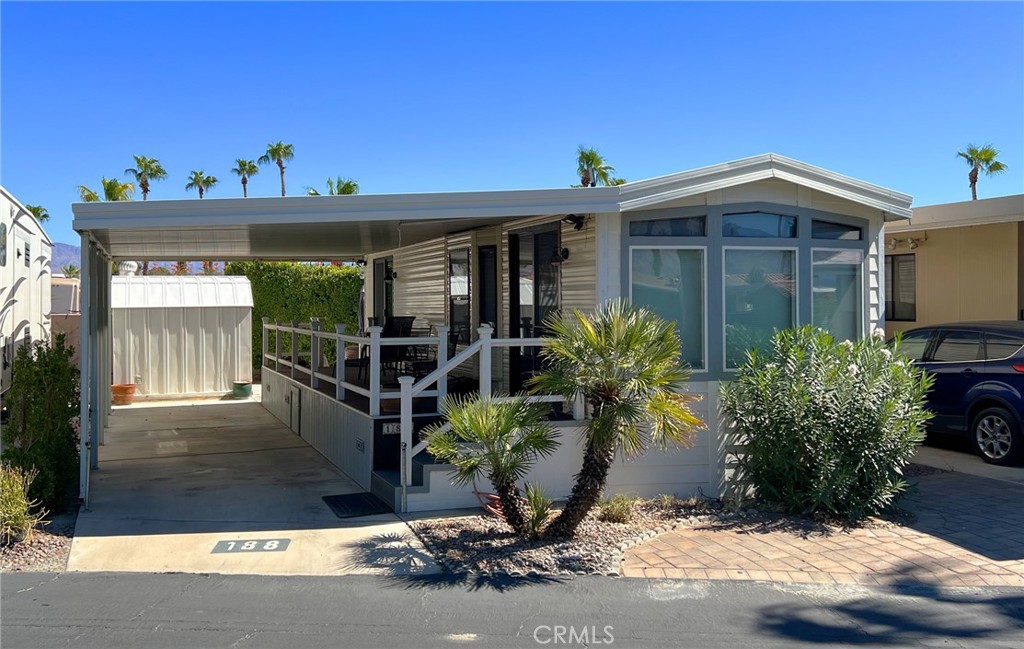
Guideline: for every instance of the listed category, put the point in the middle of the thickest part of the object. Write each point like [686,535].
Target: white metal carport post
[84,309]
[94,359]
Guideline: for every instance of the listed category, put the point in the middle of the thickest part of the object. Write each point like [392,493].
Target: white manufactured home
[458,287]
[25,252]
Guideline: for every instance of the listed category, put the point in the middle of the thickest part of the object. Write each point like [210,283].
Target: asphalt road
[138,610]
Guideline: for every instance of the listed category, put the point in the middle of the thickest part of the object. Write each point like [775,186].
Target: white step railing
[409,388]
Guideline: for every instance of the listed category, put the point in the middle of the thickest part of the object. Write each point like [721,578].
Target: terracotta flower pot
[124,394]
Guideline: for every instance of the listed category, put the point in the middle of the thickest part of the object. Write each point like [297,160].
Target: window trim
[796,294]
[888,282]
[862,325]
[704,293]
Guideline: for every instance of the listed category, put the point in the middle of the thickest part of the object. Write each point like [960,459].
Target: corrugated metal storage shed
[181,336]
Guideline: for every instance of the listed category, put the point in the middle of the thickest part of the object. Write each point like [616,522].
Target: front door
[534,294]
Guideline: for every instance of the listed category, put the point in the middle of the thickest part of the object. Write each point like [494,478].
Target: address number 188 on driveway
[251,545]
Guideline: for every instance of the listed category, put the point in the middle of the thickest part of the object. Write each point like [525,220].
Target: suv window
[957,347]
[913,345]
[1000,346]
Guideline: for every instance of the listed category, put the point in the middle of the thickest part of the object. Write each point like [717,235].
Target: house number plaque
[251,545]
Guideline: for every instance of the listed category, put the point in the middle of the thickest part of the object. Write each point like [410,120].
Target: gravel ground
[46,551]
[484,544]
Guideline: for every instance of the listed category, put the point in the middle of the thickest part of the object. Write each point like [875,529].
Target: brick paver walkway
[968,531]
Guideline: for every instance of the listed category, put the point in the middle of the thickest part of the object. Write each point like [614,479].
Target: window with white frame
[760,288]
[837,302]
[671,282]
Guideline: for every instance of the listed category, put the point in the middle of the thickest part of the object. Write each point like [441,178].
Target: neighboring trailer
[181,336]
[25,251]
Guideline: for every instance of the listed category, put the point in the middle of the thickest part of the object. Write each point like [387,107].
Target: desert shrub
[289,291]
[40,435]
[827,426]
[19,514]
[617,509]
[538,508]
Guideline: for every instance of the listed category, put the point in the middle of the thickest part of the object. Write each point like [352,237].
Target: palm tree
[341,187]
[39,212]
[202,182]
[113,190]
[246,169]
[593,169]
[70,270]
[624,362]
[278,153]
[145,170]
[981,158]
[497,438]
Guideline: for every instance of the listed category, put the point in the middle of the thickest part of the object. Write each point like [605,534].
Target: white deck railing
[434,384]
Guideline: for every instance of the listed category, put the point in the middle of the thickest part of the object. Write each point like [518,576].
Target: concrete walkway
[227,488]
[967,532]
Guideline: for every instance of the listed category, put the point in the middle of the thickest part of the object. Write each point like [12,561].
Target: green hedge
[288,291]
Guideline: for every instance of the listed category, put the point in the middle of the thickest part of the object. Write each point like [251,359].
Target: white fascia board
[342,209]
[646,193]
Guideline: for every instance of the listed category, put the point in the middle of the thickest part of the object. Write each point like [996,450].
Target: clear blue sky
[433,97]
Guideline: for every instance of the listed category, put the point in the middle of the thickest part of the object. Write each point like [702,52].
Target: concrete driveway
[224,487]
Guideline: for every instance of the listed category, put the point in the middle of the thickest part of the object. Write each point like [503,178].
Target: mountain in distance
[65,254]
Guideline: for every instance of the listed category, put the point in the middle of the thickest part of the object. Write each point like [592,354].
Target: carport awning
[312,228]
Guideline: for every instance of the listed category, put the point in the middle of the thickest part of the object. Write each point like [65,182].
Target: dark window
[1000,346]
[3,244]
[957,347]
[488,273]
[684,226]
[914,345]
[28,256]
[829,230]
[900,287]
[759,224]
[459,315]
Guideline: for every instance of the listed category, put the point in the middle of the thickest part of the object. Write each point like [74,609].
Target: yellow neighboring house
[955,262]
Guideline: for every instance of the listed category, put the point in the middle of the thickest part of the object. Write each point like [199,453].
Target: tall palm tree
[624,361]
[145,170]
[245,169]
[278,153]
[39,212]
[341,187]
[981,158]
[592,168]
[113,190]
[497,438]
[200,181]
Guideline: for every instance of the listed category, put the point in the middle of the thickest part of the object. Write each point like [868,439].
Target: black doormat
[352,505]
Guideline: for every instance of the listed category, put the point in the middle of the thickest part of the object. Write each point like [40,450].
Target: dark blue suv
[979,383]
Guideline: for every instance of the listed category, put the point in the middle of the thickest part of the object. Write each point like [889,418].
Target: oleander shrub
[19,514]
[286,291]
[827,426]
[40,434]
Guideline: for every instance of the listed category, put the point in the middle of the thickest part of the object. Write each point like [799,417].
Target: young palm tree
[200,181]
[592,168]
[70,270]
[981,158]
[145,170]
[278,153]
[341,187]
[624,361]
[113,190]
[246,169]
[494,438]
[39,212]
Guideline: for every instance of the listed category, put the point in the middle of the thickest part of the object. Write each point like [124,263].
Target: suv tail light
[1019,367]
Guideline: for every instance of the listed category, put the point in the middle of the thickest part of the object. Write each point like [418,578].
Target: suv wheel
[996,436]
